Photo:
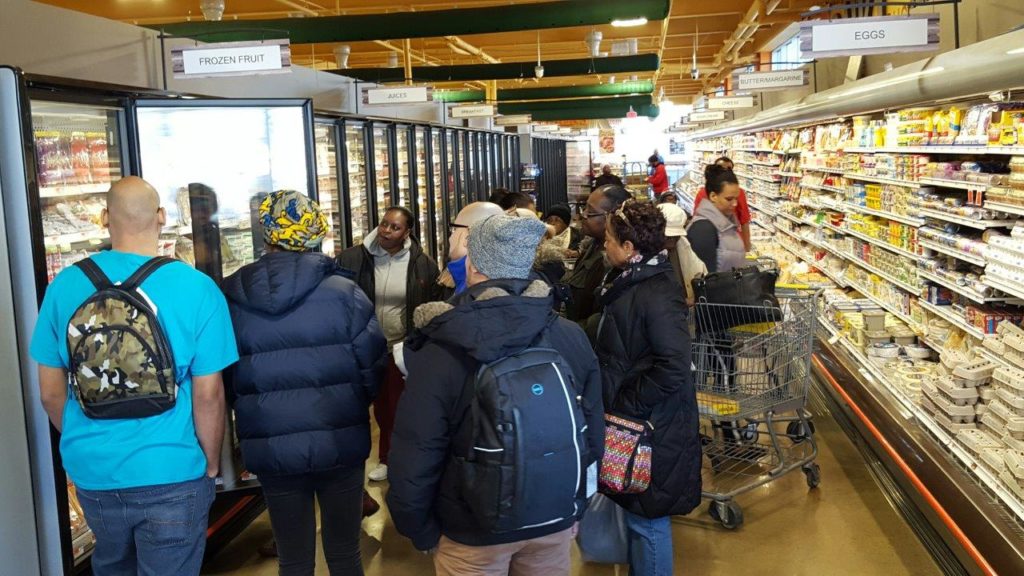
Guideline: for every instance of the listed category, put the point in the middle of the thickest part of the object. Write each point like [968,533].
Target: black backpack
[524,465]
[120,362]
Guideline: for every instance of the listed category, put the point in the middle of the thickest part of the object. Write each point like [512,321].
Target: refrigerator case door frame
[404,156]
[437,190]
[367,191]
[454,177]
[340,225]
[425,237]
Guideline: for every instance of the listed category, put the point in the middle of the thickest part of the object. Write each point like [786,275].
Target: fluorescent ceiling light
[626,23]
[1015,51]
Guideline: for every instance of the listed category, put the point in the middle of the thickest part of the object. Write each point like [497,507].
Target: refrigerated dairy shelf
[756,177]
[966,257]
[970,223]
[965,292]
[790,174]
[881,180]
[883,275]
[95,237]
[836,279]
[880,243]
[74,190]
[947,314]
[958,184]
[956,149]
[1004,286]
[1008,208]
[916,222]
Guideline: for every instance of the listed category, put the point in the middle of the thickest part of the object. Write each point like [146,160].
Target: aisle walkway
[846,526]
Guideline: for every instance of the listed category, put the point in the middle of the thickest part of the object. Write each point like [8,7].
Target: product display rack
[969,271]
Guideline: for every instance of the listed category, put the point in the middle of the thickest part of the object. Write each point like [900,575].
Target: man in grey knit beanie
[503,247]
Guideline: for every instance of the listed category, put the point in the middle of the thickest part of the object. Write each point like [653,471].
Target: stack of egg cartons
[1005,412]
[951,395]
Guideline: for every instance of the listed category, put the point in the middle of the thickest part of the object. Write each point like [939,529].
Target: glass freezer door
[403,163]
[424,233]
[454,175]
[213,163]
[358,190]
[437,187]
[327,178]
[381,169]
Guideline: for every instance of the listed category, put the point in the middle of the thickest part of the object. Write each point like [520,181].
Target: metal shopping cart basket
[752,372]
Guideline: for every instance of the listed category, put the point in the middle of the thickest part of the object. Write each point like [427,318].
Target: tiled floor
[846,526]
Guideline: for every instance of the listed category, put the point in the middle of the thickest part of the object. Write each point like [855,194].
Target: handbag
[602,535]
[736,297]
[626,465]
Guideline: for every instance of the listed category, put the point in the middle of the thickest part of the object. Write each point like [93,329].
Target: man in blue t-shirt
[145,484]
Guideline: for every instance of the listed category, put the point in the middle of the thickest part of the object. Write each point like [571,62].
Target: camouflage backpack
[121,365]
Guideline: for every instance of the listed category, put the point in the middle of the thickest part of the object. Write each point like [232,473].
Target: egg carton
[1013,335]
[1012,483]
[1014,461]
[938,405]
[994,459]
[1007,376]
[980,408]
[1014,357]
[1012,443]
[977,441]
[951,359]
[952,391]
[952,425]
[986,393]
[1012,398]
[976,371]
[1013,425]
[995,344]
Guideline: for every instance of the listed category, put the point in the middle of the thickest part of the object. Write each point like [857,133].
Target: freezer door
[228,156]
[421,177]
[381,168]
[328,177]
[357,191]
[404,166]
[438,215]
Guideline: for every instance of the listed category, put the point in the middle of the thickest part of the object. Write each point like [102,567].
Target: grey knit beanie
[505,246]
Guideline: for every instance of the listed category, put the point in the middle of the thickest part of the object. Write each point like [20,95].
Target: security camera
[694,73]
[538,71]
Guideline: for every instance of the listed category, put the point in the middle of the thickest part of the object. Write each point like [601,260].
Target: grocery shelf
[796,220]
[812,186]
[888,307]
[970,223]
[965,292]
[965,149]
[837,280]
[910,220]
[958,184]
[880,243]
[959,255]
[94,237]
[758,163]
[953,318]
[790,174]
[834,189]
[1004,286]
[756,177]
[885,276]
[881,180]
[839,171]
[1008,208]
[74,190]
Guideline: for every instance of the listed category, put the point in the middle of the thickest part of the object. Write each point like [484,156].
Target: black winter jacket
[310,360]
[487,322]
[421,281]
[644,347]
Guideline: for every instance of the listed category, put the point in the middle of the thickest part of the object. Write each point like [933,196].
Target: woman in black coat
[644,347]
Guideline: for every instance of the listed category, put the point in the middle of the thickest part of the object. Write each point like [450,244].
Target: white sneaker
[379,474]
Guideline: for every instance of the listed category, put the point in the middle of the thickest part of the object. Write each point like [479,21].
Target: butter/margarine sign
[862,36]
[232,59]
[776,80]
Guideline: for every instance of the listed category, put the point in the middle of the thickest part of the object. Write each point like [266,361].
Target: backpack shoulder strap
[94,274]
[144,271]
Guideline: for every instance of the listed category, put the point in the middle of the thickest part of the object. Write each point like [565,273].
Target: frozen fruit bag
[99,162]
[80,158]
[67,170]
[47,153]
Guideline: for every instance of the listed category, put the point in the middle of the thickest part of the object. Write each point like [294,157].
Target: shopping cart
[752,372]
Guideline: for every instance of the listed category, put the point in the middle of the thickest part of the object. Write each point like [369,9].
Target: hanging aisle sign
[402,95]
[473,111]
[864,36]
[710,116]
[512,119]
[232,59]
[775,80]
[731,102]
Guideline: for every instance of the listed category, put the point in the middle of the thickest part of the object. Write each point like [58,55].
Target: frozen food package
[80,159]
[99,162]
[48,158]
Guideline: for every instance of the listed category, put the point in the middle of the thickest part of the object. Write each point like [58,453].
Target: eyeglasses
[452,227]
[588,215]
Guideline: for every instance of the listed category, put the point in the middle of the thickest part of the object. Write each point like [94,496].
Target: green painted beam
[555,93]
[623,102]
[598,113]
[427,24]
[508,70]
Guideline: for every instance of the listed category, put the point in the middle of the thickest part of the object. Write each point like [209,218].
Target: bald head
[132,206]
[470,215]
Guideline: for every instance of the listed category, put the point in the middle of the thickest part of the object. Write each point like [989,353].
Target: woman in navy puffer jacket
[311,356]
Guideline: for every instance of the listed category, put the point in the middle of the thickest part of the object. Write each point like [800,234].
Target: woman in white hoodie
[684,261]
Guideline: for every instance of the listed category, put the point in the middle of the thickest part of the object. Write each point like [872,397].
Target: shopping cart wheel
[813,473]
[728,514]
[749,433]
[798,432]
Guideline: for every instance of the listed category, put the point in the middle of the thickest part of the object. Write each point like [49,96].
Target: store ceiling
[672,39]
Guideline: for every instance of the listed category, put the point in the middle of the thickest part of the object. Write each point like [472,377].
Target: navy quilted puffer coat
[310,360]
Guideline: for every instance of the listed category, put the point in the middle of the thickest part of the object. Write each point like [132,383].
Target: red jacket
[658,180]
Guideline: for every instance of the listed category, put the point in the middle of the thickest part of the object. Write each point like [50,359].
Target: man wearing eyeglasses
[586,276]
[453,279]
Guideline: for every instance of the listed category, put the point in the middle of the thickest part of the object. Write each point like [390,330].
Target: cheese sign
[731,103]
[403,95]
[775,80]
[863,36]
[513,120]
[232,59]
[475,111]
[710,116]
[545,128]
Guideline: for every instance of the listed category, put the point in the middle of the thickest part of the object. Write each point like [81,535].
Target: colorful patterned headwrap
[292,221]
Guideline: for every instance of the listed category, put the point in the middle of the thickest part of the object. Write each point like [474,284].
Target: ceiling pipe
[393,48]
[661,42]
[728,55]
[456,42]
[407,61]
[432,23]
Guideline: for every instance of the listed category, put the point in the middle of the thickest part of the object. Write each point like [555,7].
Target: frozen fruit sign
[232,59]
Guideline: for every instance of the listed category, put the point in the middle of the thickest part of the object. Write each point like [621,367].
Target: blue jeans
[149,531]
[650,545]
